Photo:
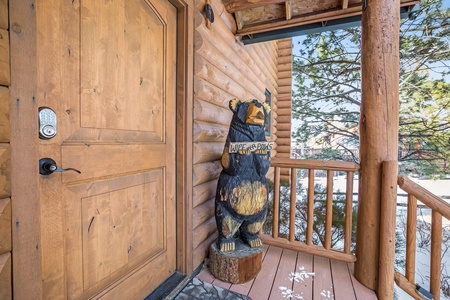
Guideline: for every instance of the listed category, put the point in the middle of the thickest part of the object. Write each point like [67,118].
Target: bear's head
[250,112]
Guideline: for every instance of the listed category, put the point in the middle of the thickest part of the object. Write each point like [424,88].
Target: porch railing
[308,246]
[439,208]
[414,192]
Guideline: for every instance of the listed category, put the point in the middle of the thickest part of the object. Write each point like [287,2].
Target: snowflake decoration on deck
[288,293]
[327,294]
[300,276]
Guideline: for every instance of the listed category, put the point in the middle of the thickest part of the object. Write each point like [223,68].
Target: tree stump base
[238,266]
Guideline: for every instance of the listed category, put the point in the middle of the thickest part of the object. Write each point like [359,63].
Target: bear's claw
[227,247]
[255,243]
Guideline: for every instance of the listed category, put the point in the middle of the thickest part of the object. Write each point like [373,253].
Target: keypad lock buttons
[47,123]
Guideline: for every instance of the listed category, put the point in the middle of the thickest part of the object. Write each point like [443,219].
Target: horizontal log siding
[5,158]
[284,101]
[223,69]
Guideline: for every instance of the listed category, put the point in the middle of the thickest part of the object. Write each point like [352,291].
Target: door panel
[114,96]
[123,63]
[115,221]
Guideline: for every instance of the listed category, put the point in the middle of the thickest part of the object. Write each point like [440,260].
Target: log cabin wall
[223,69]
[284,101]
[5,154]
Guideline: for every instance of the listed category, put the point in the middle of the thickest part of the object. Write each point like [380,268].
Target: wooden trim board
[185,85]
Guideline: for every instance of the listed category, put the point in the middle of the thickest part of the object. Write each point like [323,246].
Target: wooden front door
[108,70]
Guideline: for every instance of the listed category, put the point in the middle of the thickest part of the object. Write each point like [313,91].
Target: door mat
[198,289]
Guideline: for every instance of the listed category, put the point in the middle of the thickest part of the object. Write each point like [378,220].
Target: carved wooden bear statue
[241,197]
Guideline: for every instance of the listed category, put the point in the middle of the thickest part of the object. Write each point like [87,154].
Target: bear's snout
[255,115]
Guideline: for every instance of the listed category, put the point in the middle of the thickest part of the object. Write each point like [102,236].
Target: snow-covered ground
[440,188]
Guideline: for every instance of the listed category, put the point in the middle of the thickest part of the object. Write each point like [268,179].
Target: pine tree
[327,94]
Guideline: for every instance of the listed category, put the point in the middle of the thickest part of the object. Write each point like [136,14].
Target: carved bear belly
[249,197]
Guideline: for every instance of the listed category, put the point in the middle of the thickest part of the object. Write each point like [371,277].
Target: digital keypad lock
[47,123]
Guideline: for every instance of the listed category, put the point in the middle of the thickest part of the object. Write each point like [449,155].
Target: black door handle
[48,165]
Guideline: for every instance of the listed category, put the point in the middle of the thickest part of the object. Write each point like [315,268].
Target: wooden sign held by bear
[241,197]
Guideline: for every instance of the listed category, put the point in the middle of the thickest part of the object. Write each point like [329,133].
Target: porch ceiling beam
[239,22]
[336,24]
[300,20]
[288,10]
[344,4]
[309,19]
[234,5]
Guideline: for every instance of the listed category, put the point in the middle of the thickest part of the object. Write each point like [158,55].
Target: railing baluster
[348,213]
[436,251]
[293,206]
[276,203]
[329,210]
[411,229]
[310,216]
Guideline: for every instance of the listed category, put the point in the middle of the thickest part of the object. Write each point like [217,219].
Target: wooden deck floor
[287,274]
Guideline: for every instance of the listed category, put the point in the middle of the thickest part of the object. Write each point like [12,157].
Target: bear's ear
[266,108]
[234,104]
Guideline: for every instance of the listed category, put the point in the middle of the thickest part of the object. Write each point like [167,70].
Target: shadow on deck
[287,274]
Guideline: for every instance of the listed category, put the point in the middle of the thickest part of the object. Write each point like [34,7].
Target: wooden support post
[378,126]
[387,230]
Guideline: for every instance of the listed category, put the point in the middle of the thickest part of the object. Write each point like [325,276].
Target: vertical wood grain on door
[116,124]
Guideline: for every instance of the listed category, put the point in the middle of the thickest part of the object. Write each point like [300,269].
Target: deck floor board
[206,276]
[262,286]
[286,267]
[222,284]
[361,292]
[301,276]
[323,283]
[342,283]
[303,286]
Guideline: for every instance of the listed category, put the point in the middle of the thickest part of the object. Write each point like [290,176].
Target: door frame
[26,216]
[185,118]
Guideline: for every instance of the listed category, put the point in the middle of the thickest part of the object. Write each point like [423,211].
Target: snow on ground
[440,188]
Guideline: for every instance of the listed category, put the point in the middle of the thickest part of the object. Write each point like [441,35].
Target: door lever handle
[48,165]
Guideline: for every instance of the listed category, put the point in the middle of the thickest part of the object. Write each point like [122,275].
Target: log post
[387,230]
[378,126]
